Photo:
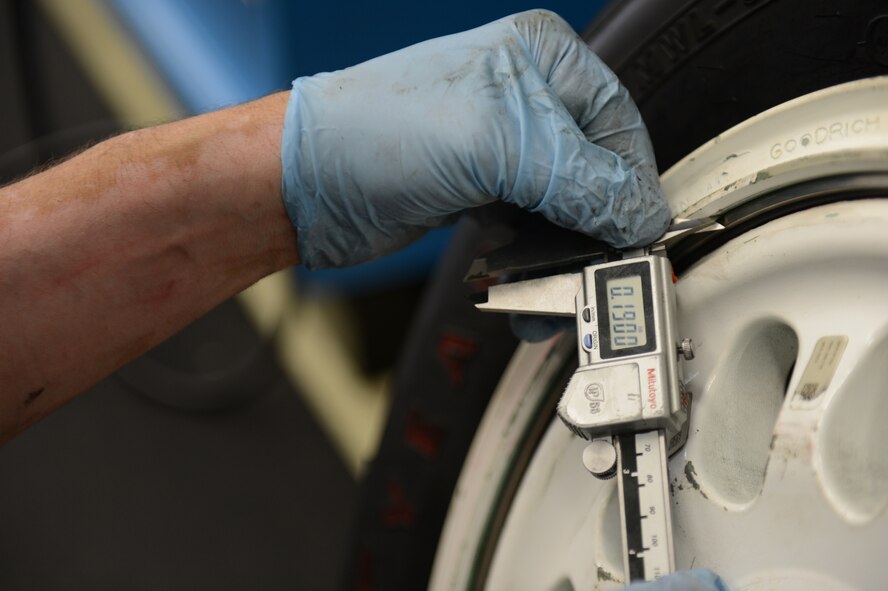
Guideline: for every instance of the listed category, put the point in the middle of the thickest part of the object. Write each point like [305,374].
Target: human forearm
[109,253]
[106,255]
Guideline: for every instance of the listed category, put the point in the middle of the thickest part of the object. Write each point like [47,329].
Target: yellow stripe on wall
[351,408]
[114,62]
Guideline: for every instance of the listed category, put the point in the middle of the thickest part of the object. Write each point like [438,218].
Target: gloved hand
[688,580]
[519,110]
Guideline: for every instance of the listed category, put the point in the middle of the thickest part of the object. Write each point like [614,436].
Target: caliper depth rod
[645,511]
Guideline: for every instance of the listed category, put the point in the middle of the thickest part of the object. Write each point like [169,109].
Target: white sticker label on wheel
[820,370]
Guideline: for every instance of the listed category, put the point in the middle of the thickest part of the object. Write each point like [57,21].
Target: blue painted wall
[215,53]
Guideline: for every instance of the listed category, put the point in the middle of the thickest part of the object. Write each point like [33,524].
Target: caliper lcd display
[625,307]
[625,310]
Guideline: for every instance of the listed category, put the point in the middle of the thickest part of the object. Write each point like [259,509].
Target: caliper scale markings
[644,504]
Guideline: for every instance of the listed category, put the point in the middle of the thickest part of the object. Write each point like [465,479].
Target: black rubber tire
[696,68]
[451,363]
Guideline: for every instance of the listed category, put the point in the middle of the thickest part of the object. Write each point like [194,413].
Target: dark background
[116,491]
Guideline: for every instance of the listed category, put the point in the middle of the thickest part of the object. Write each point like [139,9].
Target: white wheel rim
[816,518]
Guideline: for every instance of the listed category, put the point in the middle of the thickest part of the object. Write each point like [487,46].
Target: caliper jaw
[554,295]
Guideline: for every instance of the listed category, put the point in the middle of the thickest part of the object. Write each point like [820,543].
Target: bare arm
[109,253]
[104,256]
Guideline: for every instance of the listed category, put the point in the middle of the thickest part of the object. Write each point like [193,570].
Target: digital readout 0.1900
[625,306]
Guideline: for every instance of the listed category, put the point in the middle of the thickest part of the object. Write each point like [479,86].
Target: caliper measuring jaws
[627,396]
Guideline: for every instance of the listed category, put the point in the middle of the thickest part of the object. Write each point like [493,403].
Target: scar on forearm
[32,396]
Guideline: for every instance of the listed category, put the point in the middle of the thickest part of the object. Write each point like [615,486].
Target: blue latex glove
[688,580]
[519,110]
[535,329]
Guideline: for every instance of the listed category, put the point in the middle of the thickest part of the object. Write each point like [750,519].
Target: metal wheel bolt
[686,349]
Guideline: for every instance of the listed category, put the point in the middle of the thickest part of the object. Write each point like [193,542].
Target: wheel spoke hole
[737,413]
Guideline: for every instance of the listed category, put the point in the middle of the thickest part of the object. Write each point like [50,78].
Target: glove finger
[583,186]
[591,92]
[593,95]
[535,329]
[689,580]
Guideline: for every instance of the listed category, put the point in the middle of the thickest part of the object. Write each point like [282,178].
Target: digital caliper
[626,397]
